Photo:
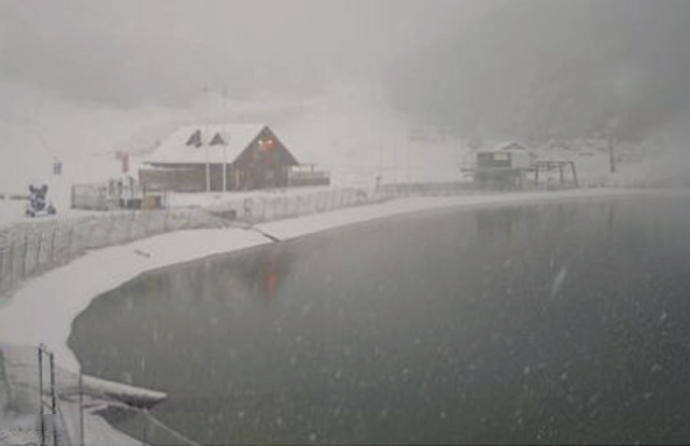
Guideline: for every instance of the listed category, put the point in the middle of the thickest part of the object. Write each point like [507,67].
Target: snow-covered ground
[216,199]
[43,311]
[12,211]
[348,130]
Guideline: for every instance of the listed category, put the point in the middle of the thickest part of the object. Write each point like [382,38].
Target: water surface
[541,323]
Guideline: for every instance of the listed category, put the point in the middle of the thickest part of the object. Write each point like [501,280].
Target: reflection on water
[551,323]
[498,226]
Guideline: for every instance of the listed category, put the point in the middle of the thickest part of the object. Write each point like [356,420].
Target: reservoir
[537,323]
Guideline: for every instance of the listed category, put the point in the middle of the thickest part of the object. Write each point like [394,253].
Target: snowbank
[43,311]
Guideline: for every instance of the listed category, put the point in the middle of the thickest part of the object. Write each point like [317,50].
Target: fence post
[90,237]
[144,439]
[189,220]
[147,218]
[81,409]
[40,396]
[53,401]
[25,255]
[129,227]
[52,246]
[12,262]
[38,251]
[111,229]
[247,208]
[307,204]
[2,267]
[70,240]
[269,208]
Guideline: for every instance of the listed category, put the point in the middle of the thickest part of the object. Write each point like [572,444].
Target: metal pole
[208,172]
[53,402]
[81,408]
[208,162]
[12,262]
[25,255]
[572,166]
[52,245]
[40,395]
[225,167]
[38,250]
[2,267]
[612,156]
[146,430]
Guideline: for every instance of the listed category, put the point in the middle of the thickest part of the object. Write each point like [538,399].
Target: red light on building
[266,144]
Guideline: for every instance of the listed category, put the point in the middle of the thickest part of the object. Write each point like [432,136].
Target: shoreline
[43,310]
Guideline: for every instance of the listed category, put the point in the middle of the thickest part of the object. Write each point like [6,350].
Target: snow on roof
[211,143]
[510,145]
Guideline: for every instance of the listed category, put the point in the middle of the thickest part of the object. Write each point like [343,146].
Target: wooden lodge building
[194,158]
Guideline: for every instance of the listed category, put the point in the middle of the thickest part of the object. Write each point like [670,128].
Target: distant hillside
[541,68]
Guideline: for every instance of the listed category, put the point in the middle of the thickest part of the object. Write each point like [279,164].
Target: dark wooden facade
[264,163]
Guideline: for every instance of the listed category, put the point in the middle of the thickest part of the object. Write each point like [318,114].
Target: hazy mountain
[165,52]
[545,68]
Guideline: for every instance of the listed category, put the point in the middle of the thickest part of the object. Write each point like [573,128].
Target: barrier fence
[262,208]
[267,208]
[47,405]
[141,425]
[34,247]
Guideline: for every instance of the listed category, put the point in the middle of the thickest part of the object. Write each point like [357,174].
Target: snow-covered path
[43,311]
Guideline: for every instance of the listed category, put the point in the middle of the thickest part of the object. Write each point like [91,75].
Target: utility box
[153,201]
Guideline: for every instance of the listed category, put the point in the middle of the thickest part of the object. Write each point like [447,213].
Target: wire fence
[270,208]
[32,248]
[267,207]
[47,405]
[141,425]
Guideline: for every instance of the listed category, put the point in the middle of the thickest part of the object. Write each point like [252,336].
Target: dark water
[548,323]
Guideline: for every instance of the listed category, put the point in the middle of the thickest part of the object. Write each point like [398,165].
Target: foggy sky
[129,52]
[542,69]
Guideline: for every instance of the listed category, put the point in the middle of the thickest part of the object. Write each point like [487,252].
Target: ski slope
[348,130]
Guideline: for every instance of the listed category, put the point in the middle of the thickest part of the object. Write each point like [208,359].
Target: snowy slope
[350,131]
[347,129]
[39,129]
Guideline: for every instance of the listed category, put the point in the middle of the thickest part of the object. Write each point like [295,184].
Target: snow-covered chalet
[192,159]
